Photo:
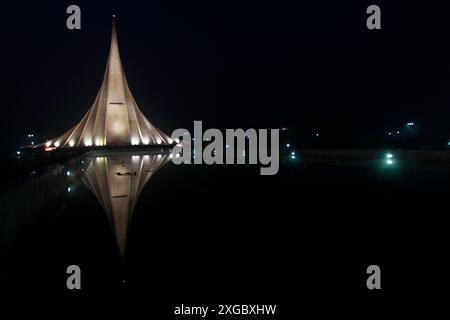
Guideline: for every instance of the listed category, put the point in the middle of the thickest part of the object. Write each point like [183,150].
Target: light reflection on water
[116,180]
[86,217]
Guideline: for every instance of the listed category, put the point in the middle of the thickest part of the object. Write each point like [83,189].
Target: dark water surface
[142,228]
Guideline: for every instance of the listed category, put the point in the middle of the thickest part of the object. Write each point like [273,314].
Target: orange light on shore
[49,148]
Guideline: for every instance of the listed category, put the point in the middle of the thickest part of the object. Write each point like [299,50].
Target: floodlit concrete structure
[114,119]
[117,181]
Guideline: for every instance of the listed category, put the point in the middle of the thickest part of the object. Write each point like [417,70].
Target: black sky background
[307,65]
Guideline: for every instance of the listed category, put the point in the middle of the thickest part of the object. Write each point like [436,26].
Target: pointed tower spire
[114,119]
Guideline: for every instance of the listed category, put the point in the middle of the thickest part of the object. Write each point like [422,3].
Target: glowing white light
[292,153]
[177,140]
[317,134]
[98,142]
[228,146]
[398,132]
[288,145]
[158,141]
[88,143]
[18,153]
[68,173]
[145,141]
[48,143]
[71,143]
[389,161]
[292,156]
[69,189]
[170,141]
[389,155]
[409,124]
[134,141]
[56,144]
[389,133]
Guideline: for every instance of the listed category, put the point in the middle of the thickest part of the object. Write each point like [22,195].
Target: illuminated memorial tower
[114,119]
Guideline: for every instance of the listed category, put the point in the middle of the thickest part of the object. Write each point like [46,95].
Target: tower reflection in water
[117,181]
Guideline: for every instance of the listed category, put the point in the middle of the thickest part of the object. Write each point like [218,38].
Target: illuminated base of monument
[81,150]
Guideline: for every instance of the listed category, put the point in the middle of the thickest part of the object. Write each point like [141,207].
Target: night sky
[307,65]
